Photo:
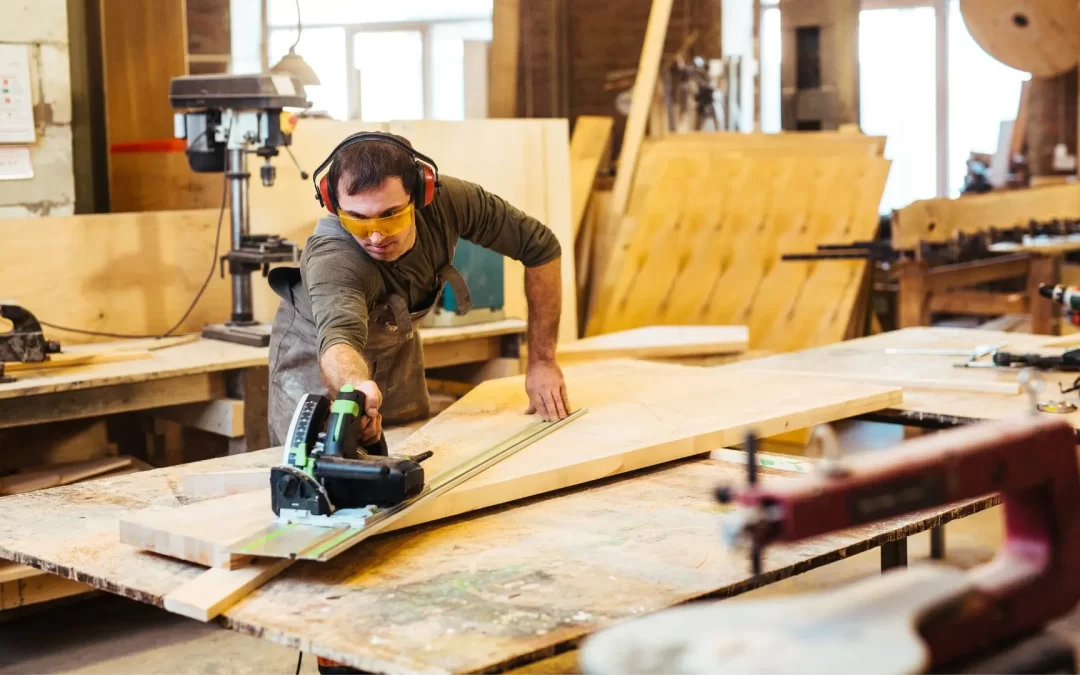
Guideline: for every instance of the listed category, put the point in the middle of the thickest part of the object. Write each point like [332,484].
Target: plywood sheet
[527,163]
[702,240]
[639,414]
[657,342]
[791,143]
[589,147]
[938,219]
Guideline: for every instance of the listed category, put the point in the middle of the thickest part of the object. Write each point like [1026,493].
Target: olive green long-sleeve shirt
[343,283]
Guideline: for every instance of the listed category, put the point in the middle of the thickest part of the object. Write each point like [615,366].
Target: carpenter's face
[381,220]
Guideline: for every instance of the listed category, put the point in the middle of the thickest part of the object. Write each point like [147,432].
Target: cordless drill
[1066,296]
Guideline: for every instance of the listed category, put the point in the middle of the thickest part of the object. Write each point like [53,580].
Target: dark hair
[368,164]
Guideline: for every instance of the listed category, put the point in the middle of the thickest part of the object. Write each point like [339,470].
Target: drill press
[225,118]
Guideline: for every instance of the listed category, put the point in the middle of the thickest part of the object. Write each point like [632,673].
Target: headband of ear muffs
[425,186]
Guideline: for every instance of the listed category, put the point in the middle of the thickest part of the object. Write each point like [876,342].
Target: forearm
[543,292]
[341,364]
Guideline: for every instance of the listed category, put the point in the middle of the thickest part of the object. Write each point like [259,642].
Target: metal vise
[24,342]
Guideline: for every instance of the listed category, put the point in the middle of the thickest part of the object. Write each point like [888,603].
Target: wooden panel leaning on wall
[704,231]
[121,273]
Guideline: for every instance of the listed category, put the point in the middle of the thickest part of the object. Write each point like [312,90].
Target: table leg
[913,298]
[1044,316]
[252,386]
[894,554]
[937,543]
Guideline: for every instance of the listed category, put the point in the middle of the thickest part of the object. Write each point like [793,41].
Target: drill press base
[255,335]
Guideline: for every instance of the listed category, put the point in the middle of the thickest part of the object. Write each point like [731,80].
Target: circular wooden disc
[1041,37]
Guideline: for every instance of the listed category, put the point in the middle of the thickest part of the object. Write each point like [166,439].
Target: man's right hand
[370,420]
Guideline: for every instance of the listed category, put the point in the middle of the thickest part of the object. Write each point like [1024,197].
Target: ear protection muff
[425,187]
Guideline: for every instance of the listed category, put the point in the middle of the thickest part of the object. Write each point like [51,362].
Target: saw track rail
[311,542]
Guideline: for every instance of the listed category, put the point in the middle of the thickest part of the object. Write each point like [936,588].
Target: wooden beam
[505,29]
[590,146]
[84,403]
[979,302]
[959,275]
[641,100]
[224,417]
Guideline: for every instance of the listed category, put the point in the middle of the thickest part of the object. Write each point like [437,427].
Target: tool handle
[343,429]
[350,469]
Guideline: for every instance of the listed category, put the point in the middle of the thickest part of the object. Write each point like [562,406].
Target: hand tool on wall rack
[328,494]
[25,342]
[927,618]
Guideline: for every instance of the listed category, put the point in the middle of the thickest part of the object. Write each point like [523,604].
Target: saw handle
[344,426]
[350,469]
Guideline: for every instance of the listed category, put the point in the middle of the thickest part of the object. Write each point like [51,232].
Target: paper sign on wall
[16,104]
[15,163]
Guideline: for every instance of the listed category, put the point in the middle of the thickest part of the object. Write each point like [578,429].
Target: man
[377,264]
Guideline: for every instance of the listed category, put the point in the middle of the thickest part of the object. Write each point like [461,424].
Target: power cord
[198,296]
[299,660]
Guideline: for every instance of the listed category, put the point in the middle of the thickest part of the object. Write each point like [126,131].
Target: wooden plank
[527,163]
[527,581]
[505,28]
[83,403]
[224,417]
[937,220]
[38,589]
[60,474]
[1008,388]
[701,410]
[13,572]
[978,302]
[224,483]
[590,145]
[640,101]
[791,143]
[724,229]
[223,587]
[655,342]
[464,351]
[957,275]
[68,360]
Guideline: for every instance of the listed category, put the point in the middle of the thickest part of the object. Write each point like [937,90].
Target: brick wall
[41,25]
[568,48]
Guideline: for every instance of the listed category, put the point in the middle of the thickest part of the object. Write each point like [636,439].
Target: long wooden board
[725,222]
[527,163]
[657,342]
[589,146]
[480,593]
[640,414]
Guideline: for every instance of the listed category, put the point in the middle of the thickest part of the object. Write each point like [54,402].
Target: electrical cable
[299,660]
[198,296]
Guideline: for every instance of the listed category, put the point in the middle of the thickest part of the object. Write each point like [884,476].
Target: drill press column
[243,313]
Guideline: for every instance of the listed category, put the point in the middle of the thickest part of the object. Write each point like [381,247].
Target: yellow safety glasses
[387,226]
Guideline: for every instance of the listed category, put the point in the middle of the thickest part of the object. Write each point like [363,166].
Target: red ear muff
[428,183]
[325,198]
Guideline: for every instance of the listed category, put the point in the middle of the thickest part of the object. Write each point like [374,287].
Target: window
[389,61]
[983,92]
[897,98]
[324,51]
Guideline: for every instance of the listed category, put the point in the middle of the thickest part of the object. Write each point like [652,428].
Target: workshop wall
[1051,120]
[568,52]
[42,26]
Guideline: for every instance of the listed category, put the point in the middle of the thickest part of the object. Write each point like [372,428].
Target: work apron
[394,353]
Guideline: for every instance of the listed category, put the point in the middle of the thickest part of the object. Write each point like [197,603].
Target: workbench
[487,591]
[951,396]
[181,378]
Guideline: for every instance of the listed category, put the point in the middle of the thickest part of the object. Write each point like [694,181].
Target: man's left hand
[546,388]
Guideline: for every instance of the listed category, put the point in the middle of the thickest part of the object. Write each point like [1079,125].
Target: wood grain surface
[1041,37]
[490,590]
[704,233]
[628,426]
[657,342]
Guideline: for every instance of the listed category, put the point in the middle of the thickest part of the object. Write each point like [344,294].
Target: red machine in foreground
[911,620]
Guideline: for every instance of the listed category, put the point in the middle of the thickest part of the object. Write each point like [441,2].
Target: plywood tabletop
[500,587]
[658,342]
[867,357]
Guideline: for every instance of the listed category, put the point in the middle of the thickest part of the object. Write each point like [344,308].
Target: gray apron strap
[400,311]
[460,288]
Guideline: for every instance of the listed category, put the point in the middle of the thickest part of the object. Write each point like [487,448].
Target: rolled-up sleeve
[492,222]
[339,288]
